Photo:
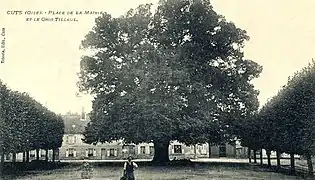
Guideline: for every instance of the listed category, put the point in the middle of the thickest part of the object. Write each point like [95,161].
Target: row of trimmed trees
[286,123]
[26,125]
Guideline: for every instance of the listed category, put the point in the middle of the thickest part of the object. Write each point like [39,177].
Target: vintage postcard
[157,89]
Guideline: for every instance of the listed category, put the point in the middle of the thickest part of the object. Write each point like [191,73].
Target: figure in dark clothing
[129,169]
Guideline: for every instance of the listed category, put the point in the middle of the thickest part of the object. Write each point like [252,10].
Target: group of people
[128,173]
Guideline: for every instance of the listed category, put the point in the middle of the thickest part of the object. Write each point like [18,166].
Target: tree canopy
[25,124]
[176,74]
[286,122]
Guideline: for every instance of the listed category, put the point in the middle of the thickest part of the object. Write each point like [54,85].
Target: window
[257,152]
[103,153]
[8,157]
[71,152]
[177,149]
[203,149]
[42,153]
[111,152]
[142,149]
[32,154]
[71,139]
[90,152]
[151,149]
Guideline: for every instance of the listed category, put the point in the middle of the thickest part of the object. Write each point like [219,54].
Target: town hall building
[73,148]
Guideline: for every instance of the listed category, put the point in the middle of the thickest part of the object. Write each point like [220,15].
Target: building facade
[73,147]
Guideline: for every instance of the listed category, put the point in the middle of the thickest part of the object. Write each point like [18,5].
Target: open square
[189,89]
[206,172]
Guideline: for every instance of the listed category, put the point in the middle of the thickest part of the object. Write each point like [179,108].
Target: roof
[74,124]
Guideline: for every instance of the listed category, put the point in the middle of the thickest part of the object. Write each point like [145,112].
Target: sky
[42,58]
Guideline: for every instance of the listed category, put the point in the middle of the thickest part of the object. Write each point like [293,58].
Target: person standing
[129,169]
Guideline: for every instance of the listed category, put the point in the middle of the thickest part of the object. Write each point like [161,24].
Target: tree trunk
[1,157]
[54,155]
[195,151]
[255,158]
[235,153]
[292,163]
[24,157]
[268,156]
[1,162]
[161,152]
[278,159]
[309,164]
[46,155]
[248,154]
[261,157]
[14,157]
[27,156]
[37,154]
[209,150]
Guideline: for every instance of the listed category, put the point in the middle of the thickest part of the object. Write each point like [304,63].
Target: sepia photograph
[157,89]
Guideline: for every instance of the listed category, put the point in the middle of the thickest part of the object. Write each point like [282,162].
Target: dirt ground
[217,172]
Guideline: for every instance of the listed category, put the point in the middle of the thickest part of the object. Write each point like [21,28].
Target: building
[73,147]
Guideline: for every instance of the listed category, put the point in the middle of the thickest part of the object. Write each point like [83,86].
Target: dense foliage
[26,125]
[286,122]
[177,74]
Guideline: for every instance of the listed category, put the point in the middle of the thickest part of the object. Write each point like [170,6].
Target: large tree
[177,74]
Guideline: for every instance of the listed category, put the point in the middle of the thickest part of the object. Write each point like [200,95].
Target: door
[103,153]
[222,150]
[130,150]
